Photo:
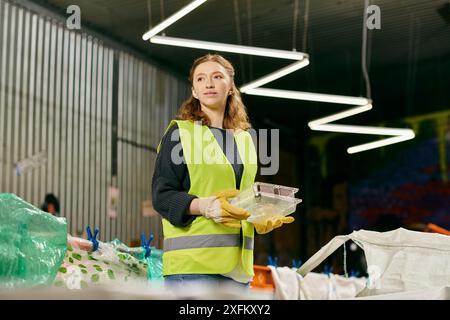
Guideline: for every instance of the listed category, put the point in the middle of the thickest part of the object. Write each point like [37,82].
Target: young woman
[204,158]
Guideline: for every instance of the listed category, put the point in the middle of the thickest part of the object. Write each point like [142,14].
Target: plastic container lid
[265,200]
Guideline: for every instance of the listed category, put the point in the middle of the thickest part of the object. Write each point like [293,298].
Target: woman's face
[211,85]
[51,208]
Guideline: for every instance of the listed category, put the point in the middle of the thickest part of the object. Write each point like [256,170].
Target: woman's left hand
[220,210]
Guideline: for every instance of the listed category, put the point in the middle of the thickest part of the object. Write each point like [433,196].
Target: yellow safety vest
[207,247]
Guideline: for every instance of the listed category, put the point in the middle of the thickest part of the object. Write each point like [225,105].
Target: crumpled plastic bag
[32,244]
[83,268]
[155,265]
[154,261]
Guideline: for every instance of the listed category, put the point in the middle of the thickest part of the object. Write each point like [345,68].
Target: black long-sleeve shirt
[171,182]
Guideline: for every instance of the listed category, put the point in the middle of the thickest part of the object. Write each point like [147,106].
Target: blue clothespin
[146,244]
[92,238]
[296,263]
[273,262]
[327,269]
[354,273]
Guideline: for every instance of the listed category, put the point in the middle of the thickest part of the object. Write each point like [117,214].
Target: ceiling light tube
[309,96]
[250,87]
[360,129]
[173,18]
[381,143]
[225,47]
[341,115]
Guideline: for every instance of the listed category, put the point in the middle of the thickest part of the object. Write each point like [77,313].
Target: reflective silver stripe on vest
[203,241]
[248,243]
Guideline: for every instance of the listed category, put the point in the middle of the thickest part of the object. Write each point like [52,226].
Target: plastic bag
[32,243]
[112,263]
[155,265]
[154,261]
[83,268]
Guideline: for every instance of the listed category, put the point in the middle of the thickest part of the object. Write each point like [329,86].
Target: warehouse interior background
[93,105]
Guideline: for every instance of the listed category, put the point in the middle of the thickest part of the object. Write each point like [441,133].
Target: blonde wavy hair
[235,116]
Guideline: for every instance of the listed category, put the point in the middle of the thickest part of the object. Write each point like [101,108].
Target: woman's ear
[194,94]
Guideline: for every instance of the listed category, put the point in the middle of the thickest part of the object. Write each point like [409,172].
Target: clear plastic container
[265,200]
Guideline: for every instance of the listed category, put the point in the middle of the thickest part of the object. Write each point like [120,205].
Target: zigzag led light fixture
[302,60]
[398,135]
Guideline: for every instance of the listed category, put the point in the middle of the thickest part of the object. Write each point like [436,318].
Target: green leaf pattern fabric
[82,269]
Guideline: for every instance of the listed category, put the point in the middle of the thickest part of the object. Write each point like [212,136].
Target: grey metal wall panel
[76,195]
[24,106]
[9,95]
[31,105]
[56,96]
[17,95]
[51,112]
[3,47]
[68,186]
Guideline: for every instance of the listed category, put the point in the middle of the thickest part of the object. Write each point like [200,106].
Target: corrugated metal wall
[91,111]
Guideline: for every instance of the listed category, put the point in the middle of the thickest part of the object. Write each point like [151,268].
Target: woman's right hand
[220,210]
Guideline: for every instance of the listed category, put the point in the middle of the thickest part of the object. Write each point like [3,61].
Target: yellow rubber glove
[220,210]
[274,222]
[226,194]
[234,212]
[231,223]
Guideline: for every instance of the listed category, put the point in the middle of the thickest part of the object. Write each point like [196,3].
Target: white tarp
[397,261]
[289,285]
